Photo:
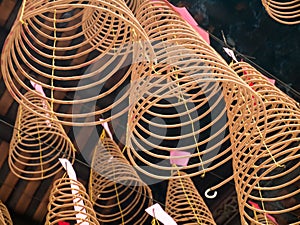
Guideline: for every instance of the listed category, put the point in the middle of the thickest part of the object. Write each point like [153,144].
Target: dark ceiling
[275,47]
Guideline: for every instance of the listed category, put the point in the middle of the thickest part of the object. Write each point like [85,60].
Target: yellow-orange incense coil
[79,52]
[184,203]
[118,194]
[286,12]
[179,105]
[69,202]
[269,174]
[38,142]
[5,218]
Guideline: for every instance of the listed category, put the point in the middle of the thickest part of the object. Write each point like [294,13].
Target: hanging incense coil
[118,195]
[37,143]
[285,12]
[179,105]
[184,203]
[269,174]
[69,202]
[57,46]
[5,218]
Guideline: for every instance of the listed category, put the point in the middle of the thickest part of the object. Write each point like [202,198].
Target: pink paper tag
[40,90]
[272,81]
[255,205]
[180,158]
[185,14]
[203,34]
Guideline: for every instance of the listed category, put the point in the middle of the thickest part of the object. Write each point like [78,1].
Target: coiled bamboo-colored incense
[269,175]
[5,218]
[285,12]
[180,103]
[69,202]
[184,203]
[38,142]
[79,52]
[118,195]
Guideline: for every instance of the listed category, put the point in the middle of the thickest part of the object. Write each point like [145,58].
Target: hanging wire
[246,58]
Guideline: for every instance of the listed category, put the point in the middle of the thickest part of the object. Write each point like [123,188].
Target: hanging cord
[53,63]
[154,220]
[261,199]
[181,97]
[41,154]
[22,13]
[118,200]
[199,221]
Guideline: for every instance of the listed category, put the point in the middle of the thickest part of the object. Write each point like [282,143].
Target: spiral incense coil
[37,143]
[69,202]
[186,114]
[180,103]
[184,203]
[5,218]
[119,196]
[269,174]
[285,12]
[79,52]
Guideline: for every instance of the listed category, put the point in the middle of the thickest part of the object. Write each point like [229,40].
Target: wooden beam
[6,7]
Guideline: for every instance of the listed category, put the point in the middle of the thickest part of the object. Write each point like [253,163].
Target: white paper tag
[78,203]
[157,212]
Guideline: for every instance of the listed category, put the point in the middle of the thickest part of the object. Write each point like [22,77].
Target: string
[40,145]
[146,55]
[53,62]
[19,124]
[22,12]
[261,198]
[192,124]
[187,197]
[117,196]
[102,137]
[154,220]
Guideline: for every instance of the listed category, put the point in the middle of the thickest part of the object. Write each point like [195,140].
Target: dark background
[250,30]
